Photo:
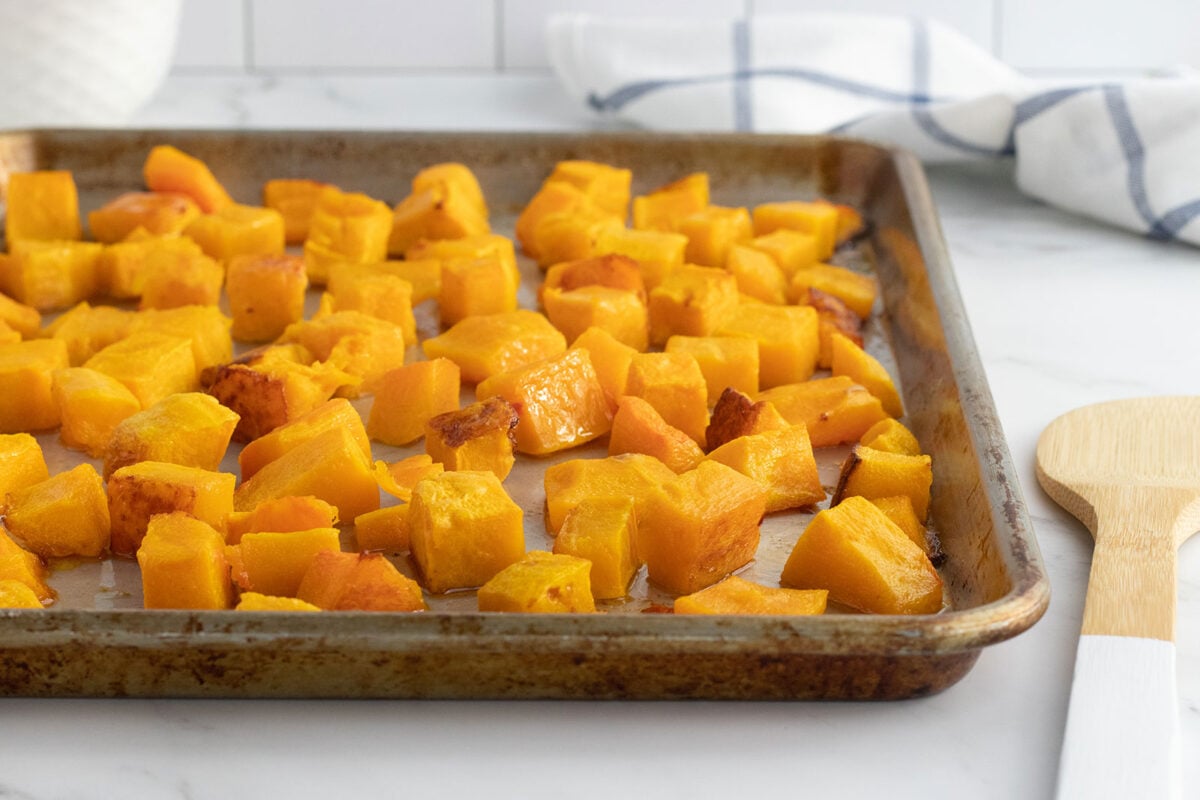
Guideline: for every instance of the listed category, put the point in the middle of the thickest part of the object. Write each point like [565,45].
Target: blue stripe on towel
[1034,106]
[743,111]
[1170,224]
[1135,155]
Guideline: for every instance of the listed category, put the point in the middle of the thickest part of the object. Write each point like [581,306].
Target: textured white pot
[82,62]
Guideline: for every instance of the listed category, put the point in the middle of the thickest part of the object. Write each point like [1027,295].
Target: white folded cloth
[1126,152]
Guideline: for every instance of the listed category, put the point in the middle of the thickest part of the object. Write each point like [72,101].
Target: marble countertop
[1064,311]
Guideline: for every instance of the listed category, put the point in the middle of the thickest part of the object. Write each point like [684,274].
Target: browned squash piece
[183,565]
[871,473]
[639,428]
[736,595]
[699,527]
[859,555]
[269,394]
[736,415]
[138,492]
[478,437]
[835,410]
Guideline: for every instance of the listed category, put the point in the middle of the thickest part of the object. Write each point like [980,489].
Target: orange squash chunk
[610,358]
[612,270]
[571,235]
[204,326]
[559,400]
[899,509]
[854,289]
[787,339]
[725,361]
[859,555]
[380,295]
[18,564]
[463,529]
[791,250]
[849,359]
[617,311]
[26,384]
[52,274]
[458,174]
[835,410]
[699,527]
[540,583]
[345,226]
[183,565]
[296,200]
[254,601]
[477,437]
[41,205]
[408,396]
[438,211]
[657,253]
[330,466]
[189,428]
[275,562]
[554,197]
[384,529]
[570,483]
[606,185]
[817,218]
[14,594]
[492,344]
[354,343]
[692,301]
[64,515]
[663,208]
[159,214]
[638,428]
[266,294]
[280,514]
[139,491]
[359,582]
[273,393]
[711,233]
[87,329]
[123,268]
[151,365]
[736,415]
[424,275]
[736,595]
[891,435]
[25,320]
[189,279]
[675,386]
[757,274]
[834,316]
[873,473]
[476,286]
[399,478]
[168,169]
[22,463]
[237,230]
[91,405]
[781,461]
[603,531]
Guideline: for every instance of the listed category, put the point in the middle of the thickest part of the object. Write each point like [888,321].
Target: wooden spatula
[1130,471]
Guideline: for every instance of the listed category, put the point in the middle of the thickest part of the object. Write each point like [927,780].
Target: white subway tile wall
[263,36]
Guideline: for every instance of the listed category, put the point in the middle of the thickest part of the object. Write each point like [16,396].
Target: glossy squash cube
[123,267]
[279,514]
[864,561]
[476,286]
[699,527]
[559,399]
[359,582]
[156,213]
[479,437]
[664,208]
[692,301]
[787,336]
[205,327]
[639,428]
[91,405]
[188,428]
[383,296]
[573,235]
[266,294]
[856,290]
[52,274]
[675,386]
[736,595]
[820,219]
[275,562]
[606,185]
[64,515]
[295,199]
[757,274]
[835,410]
[891,436]
[22,463]
[41,205]
[453,172]
[152,365]
[139,491]
[541,583]
[849,359]
[14,594]
[20,565]
[617,311]
[424,275]
[657,253]
[440,210]
[86,329]
[487,345]
[169,169]
[712,232]
[383,530]
[345,226]
[602,531]
[725,361]
[175,280]
[781,461]
[408,396]
[25,320]
[463,529]
[792,250]
[873,473]
[569,483]
[26,384]
[183,565]
[554,198]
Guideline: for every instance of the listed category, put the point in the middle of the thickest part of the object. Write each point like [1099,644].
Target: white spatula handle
[1122,738]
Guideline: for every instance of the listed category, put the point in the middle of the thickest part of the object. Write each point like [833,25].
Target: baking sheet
[995,586]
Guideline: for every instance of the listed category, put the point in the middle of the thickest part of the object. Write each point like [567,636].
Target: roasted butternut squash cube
[792,250]
[787,337]
[189,428]
[7,334]
[541,583]
[463,529]
[617,311]
[91,405]
[553,198]
[610,358]
[26,384]
[663,208]
[725,361]
[152,365]
[439,210]
[357,343]
[275,562]
[899,509]
[572,235]
[458,174]
[123,267]
[52,274]
[23,319]
[139,491]
[873,473]
[559,400]
[736,415]
[691,301]
[891,436]
[849,359]
[330,466]
[859,555]
[168,169]
[639,428]
[476,286]
[399,478]
[569,483]
[157,213]
[408,396]
[14,594]
[359,582]
[345,226]
[280,514]
[254,601]
[606,185]
[181,279]
[382,296]
[781,461]
[295,199]
[22,463]
[854,289]
[204,326]
[384,529]
[477,437]
[87,329]
[757,274]
[835,410]
[266,294]
[183,564]
[833,316]
[239,230]
[490,344]
[41,205]
[849,222]
[699,527]
[736,595]
[612,270]
[424,275]
[468,248]
[819,219]
[602,531]
[20,565]
[64,515]
[711,233]
[675,386]
[274,393]
[656,252]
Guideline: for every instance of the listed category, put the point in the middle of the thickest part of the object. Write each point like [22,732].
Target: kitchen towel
[1126,152]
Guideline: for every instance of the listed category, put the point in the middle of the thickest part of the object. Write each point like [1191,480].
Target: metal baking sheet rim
[462,655]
